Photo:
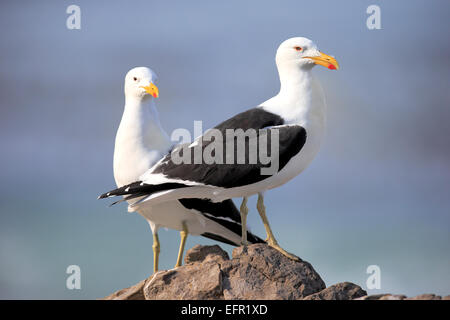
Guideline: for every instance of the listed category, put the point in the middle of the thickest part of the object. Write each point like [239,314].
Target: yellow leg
[271,241]
[156,249]
[183,234]
[244,213]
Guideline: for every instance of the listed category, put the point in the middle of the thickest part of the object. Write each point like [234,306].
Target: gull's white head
[302,52]
[140,83]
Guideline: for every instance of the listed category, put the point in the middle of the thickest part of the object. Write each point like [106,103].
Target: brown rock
[392,297]
[258,272]
[193,281]
[426,296]
[383,296]
[132,293]
[261,272]
[205,253]
[371,297]
[340,291]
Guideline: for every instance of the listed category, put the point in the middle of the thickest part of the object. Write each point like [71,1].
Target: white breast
[140,143]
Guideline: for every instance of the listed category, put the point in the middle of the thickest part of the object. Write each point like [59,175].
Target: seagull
[140,143]
[295,117]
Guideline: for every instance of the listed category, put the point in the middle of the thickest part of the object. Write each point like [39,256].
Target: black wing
[137,189]
[291,140]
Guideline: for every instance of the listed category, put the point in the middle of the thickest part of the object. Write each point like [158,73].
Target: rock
[340,291]
[426,296]
[193,281]
[388,296]
[132,293]
[393,297]
[257,272]
[205,253]
[262,272]
[383,296]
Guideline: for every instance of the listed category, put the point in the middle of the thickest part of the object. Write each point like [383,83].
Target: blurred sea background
[378,193]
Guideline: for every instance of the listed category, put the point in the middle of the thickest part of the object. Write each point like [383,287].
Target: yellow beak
[326,61]
[152,89]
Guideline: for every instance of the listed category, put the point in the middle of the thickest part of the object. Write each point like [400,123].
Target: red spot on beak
[154,95]
[331,67]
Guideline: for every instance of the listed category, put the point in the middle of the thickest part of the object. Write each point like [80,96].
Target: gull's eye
[135,79]
[298,48]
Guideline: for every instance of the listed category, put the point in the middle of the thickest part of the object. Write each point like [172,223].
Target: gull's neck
[293,102]
[141,116]
[140,140]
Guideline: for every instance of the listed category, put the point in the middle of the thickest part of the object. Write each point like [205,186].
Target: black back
[291,140]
